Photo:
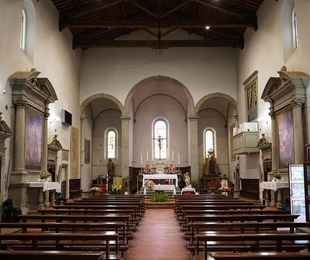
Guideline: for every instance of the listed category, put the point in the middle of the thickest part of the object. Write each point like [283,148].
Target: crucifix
[159,139]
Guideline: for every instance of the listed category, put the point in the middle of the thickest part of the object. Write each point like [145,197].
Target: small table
[45,186]
[275,186]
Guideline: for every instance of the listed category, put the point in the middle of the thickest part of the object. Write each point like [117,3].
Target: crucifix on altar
[160,142]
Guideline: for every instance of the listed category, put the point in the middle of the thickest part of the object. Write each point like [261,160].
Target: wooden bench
[137,210]
[277,238]
[260,255]
[52,255]
[57,241]
[181,217]
[236,227]
[131,212]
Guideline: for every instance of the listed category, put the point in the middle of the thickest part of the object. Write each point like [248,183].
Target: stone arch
[98,96]
[191,105]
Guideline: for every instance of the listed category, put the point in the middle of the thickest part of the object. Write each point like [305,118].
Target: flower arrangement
[94,189]
[171,169]
[277,175]
[148,169]
[225,189]
[44,176]
[149,184]
[116,189]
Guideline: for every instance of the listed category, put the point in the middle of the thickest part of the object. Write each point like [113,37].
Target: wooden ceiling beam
[164,44]
[94,8]
[128,24]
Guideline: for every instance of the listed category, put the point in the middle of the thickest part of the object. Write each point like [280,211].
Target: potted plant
[277,176]
[159,197]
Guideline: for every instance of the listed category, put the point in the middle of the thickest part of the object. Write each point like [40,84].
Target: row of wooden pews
[90,228]
[219,227]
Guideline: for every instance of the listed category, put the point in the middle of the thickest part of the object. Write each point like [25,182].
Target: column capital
[272,114]
[296,103]
[46,112]
[21,103]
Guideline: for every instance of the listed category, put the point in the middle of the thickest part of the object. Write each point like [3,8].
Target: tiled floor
[158,238]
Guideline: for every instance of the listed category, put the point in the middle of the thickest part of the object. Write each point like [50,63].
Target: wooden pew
[138,212]
[131,212]
[278,238]
[239,218]
[118,227]
[51,255]
[260,255]
[236,227]
[181,217]
[58,241]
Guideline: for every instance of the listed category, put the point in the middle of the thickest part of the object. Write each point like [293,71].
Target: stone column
[298,132]
[44,141]
[125,146]
[19,144]
[193,146]
[275,146]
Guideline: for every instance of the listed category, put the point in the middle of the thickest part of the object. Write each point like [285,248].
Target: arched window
[294,26]
[111,144]
[209,141]
[160,140]
[22,39]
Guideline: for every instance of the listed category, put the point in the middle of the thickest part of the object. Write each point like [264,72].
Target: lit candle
[179,159]
[141,159]
[147,155]
[172,157]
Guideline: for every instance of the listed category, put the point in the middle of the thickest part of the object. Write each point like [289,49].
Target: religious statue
[187,180]
[211,166]
[111,168]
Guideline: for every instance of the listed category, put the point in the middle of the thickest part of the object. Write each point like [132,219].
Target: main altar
[171,186]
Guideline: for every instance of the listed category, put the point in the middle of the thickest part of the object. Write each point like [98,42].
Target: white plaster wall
[116,71]
[106,121]
[264,51]
[53,57]
[160,107]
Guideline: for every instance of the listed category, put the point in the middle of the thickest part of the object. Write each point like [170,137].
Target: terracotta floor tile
[158,238]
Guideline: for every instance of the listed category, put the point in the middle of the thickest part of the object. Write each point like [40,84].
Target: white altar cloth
[160,176]
[162,188]
[270,185]
[45,185]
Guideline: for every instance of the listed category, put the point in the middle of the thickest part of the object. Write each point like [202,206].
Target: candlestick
[178,159]
[141,159]
[172,157]
[147,156]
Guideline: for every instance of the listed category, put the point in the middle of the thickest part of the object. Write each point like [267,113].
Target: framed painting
[33,138]
[87,150]
[250,87]
[285,138]
[74,152]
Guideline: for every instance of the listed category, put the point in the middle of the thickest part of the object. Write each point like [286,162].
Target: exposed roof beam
[175,9]
[143,8]
[234,23]
[94,8]
[154,44]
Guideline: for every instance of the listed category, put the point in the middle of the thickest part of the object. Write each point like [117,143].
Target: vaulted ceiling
[157,24]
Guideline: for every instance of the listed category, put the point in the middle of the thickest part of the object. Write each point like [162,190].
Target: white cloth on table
[160,177]
[45,185]
[271,185]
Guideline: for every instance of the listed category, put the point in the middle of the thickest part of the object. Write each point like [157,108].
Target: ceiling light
[207,27]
